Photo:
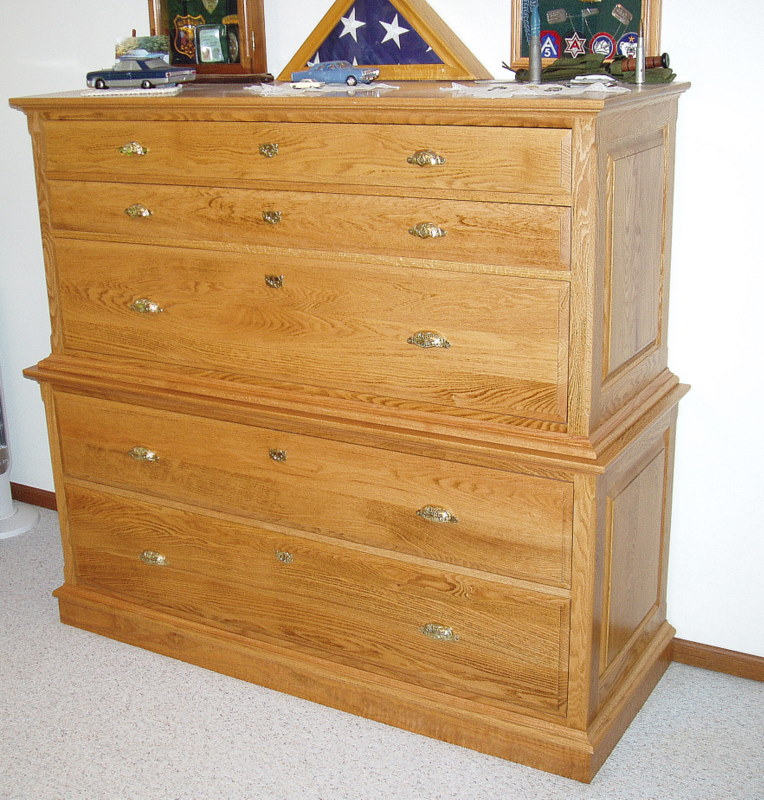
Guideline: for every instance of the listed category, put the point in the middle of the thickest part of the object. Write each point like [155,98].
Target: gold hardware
[269,149]
[145,306]
[440,633]
[272,217]
[427,230]
[137,210]
[143,454]
[436,514]
[277,455]
[274,281]
[284,557]
[153,559]
[133,149]
[429,339]
[426,158]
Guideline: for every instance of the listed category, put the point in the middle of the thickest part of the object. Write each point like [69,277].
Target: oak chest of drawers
[366,399]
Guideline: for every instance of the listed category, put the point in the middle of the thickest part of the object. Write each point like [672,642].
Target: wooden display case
[243,19]
[610,21]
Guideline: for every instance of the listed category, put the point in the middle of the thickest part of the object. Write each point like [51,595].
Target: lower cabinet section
[528,602]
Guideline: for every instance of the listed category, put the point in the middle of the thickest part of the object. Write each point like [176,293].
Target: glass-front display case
[223,39]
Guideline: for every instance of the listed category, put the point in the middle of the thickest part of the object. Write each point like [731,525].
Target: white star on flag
[394,31]
[351,26]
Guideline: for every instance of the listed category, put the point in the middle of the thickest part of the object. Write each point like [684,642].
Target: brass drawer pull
[269,149]
[137,211]
[436,514]
[153,559]
[427,230]
[426,158]
[272,217]
[133,149]
[279,456]
[441,633]
[284,557]
[143,454]
[429,339]
[274,281]
[145,306]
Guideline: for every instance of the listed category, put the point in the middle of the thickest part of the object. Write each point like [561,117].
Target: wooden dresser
[366,399]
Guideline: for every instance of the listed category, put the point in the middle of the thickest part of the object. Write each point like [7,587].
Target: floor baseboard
[694,654]
[35,497]
[717,659]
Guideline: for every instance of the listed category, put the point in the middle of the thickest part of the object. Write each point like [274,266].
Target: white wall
[716,595]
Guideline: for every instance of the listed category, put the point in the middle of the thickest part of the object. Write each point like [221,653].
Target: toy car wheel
[100,84]
[147,85]
[351,80]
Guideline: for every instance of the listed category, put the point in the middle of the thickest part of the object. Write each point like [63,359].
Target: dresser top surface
[409,96]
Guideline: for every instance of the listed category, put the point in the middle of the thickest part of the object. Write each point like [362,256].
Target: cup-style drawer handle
[441,633]
[269,149]
[284,557]
[272,217]
[143,454]
[437,514]
[274,281]
[427,230]
[427,339]
[153,559]
[278,456]
[145,306]
[133,149]
[138,211]
[426,158]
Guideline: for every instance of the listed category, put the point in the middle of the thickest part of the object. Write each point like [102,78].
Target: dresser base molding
[535,743]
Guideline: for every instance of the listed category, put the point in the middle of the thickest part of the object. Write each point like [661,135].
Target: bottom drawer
[442,630]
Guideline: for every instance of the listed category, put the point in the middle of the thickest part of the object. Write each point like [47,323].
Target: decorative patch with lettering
[551,44]
[575,44]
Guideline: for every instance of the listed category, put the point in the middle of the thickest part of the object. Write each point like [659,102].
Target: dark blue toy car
[144,72]
[337,72]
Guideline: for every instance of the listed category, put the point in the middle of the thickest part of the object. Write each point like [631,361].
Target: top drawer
[427,157]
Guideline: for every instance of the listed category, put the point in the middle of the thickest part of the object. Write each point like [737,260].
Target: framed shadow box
[574,27]
[224,40]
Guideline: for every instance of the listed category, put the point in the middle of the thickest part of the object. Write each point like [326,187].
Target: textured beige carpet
[83,717]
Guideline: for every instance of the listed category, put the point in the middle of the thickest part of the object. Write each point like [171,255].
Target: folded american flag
[375,32]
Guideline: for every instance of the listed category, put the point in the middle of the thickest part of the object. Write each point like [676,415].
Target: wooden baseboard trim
[717,659]
[35,497]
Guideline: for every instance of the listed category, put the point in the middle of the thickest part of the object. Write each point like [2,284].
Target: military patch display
[604,27]
[219,22]
[224,40]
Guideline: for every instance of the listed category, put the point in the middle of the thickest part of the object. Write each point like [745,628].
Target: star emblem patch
[575,45]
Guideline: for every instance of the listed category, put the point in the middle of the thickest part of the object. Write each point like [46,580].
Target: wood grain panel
[338,325]
[512,160]
[357,609]
[508,523]
[489,233]
[636,230]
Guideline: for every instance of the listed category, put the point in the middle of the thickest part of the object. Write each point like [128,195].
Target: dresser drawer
[455,158]
[492,520]
[506,645]
[337,325]
[503,234]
